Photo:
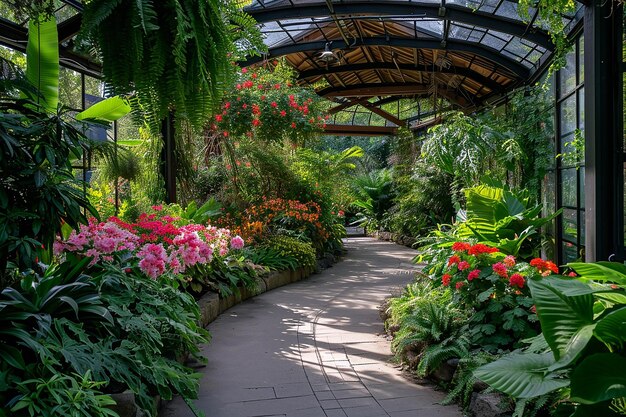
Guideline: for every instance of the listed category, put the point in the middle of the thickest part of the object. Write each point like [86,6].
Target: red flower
[500,269]
[454,259]
[463,265]
[293,125]
[552,267]
[538,263]
[227,105]
[244,70]
[517,280]
[245,106]
[283,113]
[263,97]
[238,86]
[291,97]
[572,274]
[218,117]
[479,249]
[255,75]
[460,246]
[533,309]
[445,279]
[459,285]
[473,275]
[256,122]
[256,109]
[277,86]
[225,133]
[274,104]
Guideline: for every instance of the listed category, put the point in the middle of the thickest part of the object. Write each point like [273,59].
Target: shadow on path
[315,348]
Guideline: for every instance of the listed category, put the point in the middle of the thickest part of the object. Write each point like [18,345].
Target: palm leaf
[42,62]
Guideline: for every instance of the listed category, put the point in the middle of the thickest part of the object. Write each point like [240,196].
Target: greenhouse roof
[466,51]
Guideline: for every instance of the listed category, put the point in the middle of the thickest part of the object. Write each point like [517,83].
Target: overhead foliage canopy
[173,55]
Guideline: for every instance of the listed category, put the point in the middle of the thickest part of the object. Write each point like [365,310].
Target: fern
[464,379]
[455,346]
[173,54]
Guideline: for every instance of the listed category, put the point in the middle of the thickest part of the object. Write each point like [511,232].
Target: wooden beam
[377,110]
[361,90]
[350,130]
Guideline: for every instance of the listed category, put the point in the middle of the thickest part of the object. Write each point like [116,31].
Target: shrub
[291,247]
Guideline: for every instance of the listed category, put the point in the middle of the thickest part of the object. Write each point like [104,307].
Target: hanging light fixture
[328,55]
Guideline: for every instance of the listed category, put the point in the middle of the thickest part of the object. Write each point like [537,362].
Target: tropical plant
[582,323]
[287,246]
[271,258]
[464,147]
[173,55]
[373,193]
[506,219]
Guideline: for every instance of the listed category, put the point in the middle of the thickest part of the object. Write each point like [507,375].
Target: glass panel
[567,158]
[581,60]
[581,176]
[567,75]
[567,115]
[569,184]
[70,86]
[548,196]
[581,226]
[581,108]
[570,225]
[570,252]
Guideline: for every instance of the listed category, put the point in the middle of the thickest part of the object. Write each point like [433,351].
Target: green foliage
[464,147]
[271,258]
[496,215]
[68,395]
[224,276]
[38,189]
[373,192]
[464,381]
[582,322]
[422,200]
[172,54]
[42,63]
[428,323]
[290,247]
[201,215]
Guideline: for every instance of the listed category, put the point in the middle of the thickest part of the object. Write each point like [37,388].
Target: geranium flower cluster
[269,107]
[471,262]
[157,245]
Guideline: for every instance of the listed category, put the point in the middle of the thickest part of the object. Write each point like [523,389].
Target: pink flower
[509,261]
[473,275]
[459,285]
[463,265]
[236,242]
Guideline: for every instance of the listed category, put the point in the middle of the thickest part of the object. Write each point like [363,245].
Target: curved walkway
[315,348]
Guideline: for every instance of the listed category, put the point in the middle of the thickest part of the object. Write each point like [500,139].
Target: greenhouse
[338,208]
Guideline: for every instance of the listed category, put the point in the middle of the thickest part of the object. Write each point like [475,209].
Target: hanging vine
[172,54]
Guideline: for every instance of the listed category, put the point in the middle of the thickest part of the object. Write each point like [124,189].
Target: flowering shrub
[266,105]
[156,245]
[256,221]
[493,286]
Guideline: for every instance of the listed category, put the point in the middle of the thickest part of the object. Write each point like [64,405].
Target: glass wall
[564,185]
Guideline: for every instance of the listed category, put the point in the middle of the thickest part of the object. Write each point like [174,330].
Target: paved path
[314,348]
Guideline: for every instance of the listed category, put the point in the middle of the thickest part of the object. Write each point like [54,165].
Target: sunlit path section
[315,348]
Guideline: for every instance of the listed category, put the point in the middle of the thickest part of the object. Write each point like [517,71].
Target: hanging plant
[173,54]
[267,105]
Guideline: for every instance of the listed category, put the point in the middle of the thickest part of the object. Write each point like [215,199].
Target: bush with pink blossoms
[156,245]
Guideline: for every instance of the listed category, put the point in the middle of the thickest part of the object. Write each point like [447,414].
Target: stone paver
[314,348]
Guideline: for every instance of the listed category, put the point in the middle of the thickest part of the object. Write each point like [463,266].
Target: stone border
[211,306]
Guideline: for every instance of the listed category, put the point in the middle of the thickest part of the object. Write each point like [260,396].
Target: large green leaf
[107,110]
[522,375]
[599,377]
[563,319]
[611,329]
[42,62]
[601,271]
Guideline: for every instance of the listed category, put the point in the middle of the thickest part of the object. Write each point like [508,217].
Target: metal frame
[390,8]
[493,55]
